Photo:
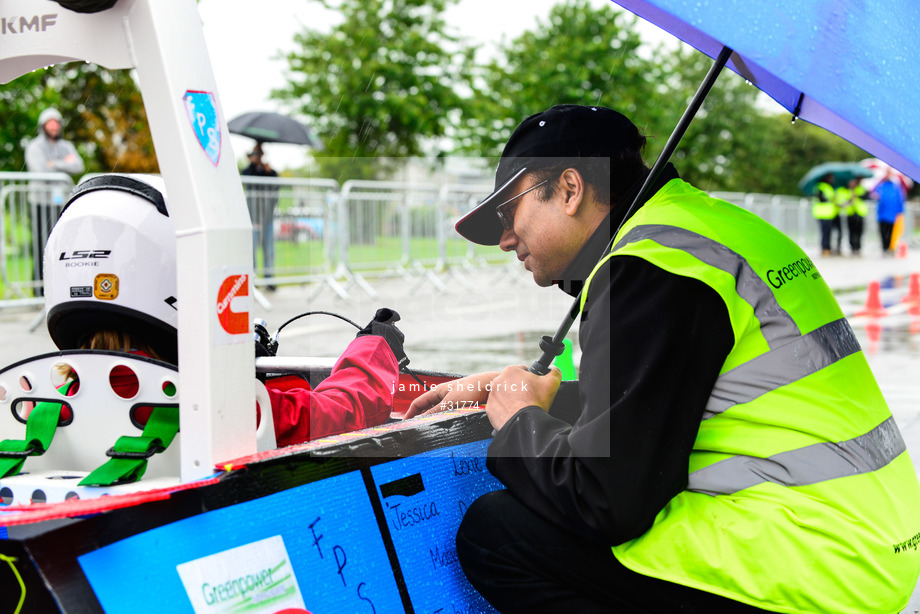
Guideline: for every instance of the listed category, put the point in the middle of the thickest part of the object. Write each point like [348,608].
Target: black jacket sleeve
[652,347]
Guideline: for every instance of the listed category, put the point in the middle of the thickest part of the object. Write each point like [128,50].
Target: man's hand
[464,392]
[516,388]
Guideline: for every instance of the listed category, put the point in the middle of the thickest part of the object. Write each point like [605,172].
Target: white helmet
[110,263]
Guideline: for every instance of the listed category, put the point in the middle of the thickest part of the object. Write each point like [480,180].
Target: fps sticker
[105,287]
[231,305]
[201,108]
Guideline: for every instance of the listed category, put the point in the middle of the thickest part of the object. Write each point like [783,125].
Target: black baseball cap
[546,139]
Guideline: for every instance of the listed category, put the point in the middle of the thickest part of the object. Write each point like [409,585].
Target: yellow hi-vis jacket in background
[853,201]
[825,203]
[801,496]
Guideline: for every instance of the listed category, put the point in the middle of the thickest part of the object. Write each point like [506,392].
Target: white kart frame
[164,42]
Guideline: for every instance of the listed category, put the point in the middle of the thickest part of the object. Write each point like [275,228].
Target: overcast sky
[245,37]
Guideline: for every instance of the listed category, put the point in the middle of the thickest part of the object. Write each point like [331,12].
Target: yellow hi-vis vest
[853,201]
[825,209]
[801,496]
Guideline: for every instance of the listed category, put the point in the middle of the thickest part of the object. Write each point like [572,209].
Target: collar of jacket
[573,278]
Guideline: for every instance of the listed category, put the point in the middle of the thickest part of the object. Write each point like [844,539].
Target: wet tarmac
[491,317]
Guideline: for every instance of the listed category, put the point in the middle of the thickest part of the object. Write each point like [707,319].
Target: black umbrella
[269,127]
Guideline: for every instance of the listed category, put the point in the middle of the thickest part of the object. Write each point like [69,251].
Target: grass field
[304,258]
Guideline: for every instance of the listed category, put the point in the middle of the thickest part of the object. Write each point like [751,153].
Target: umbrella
[846,65]
[269,127]
[842,172]
[880,170]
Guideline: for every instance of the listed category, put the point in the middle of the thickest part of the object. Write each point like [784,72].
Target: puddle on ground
[893,338]
[889,336]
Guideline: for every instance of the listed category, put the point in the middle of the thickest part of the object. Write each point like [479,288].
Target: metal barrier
[384,229]
[31,204]
[792,215]
[457,200]
[316,231]
[293,228]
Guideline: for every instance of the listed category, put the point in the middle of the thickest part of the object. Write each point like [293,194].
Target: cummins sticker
[201,108]
[253,578]
[231,305]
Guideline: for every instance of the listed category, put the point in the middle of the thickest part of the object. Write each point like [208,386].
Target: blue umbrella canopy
[842,173]
[845,65]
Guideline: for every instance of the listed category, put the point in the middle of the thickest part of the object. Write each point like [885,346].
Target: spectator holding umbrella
[267,127]
[262,200]
[852,200]
[824,209]
[820,183]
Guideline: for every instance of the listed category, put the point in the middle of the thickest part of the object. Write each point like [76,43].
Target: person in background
[852,199]
[890,199]
[48,152]
[837,229]
[824,209]
[727,449]
[262,199]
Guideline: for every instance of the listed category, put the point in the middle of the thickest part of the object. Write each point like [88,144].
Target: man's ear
[572,186]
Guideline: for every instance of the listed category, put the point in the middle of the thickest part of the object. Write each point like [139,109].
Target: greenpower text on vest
[803,266]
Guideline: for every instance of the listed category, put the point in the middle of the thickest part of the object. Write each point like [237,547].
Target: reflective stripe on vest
[786,362]
[800,493]
[809,465]
[792,356]
[783,365]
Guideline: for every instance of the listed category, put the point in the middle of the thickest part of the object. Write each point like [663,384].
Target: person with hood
[49,152]
[726,448]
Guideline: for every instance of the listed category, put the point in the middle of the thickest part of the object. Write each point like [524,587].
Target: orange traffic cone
[873,307]
[902,250]
[913,289]
[913,295]
[874,332]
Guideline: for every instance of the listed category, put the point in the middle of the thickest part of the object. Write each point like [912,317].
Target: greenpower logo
[792,270]
[253,578]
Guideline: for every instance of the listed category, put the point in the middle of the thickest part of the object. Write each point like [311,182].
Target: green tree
[593,54]
[112,118]
[723,130]
[784,152]
[579,54]
[735,145]
[21,101]
[383,84]
[103,115]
